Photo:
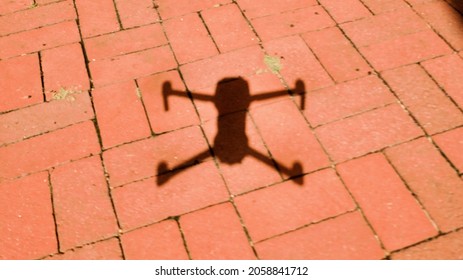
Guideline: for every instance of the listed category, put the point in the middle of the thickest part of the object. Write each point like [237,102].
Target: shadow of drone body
[457,4]
[457,16]
[232,95]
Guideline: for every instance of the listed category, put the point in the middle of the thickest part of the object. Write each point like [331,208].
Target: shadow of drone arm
[165,173]
[295,170]
[168,91]
[299,88]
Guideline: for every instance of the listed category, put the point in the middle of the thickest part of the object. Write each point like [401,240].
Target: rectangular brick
[287,206]
[18,125]
[347,10]
[260,8]
[216,233]
[180,113]
[145,202]
[337,54]
[117,128]
[292,22]
[448,72]
[104,250]
[21,83]
[14,6]
[208,72]
[132,66]
[433,109]
[37,17]
[124,42]
[229,28]
[347,237]
[161,241]
[136,12]
[405,50]
[189,38]
[174,8]
[39,39]
[297,62]
[451,143]
[445,247]
[346,99]
[253,171]
[445,20]
[367,132]
[139,160]
[386,202]
[381,6]
[384,27]
[82,205]
[48,150]
[436,185]
[26,216]
[64,69]
[289,138]
[96,17]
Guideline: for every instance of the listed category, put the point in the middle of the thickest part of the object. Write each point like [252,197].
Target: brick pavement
[231,129]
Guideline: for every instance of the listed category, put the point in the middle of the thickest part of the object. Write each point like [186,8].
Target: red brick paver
[20,84]
[97,17]
[139,160]
[136,13]
[220,129]
[448,71]
[189,38]
[440,191]
[346,99]
[229,28]
[451,142]
[336,54]
[48,150]
[161,241]
[433,109]
[28,229]
[37,17]
[381,6]
[44,117]
[109,102]
[390,208]
[82,207]
[64,69]
[444,19]
[104,250]
[14,6]
[34,40]
[288,206]
[442,248]
[345,237]
[146,201]
[124,42]
[292,22]
[216,233]
[367,132]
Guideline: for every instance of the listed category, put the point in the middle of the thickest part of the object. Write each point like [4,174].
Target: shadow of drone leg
[294,171]
[164,173]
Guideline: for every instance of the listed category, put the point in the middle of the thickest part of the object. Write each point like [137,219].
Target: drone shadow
[458,16]
[232,95]
[458,5]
